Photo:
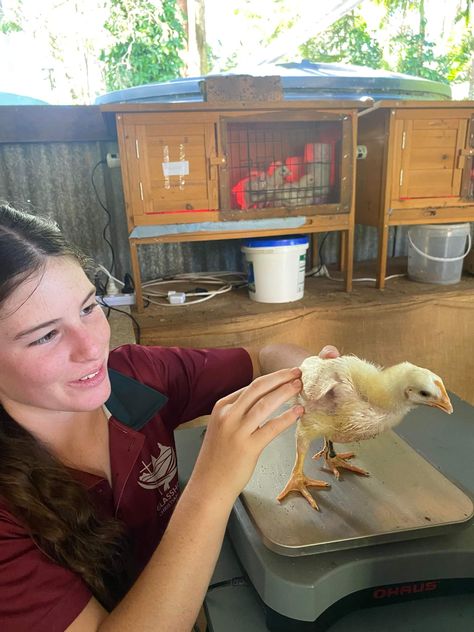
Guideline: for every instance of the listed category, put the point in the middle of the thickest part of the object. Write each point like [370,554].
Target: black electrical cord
[394,245]
[320,253]
[99,286]
[101,291]
[109,217]
[235,581]
[115,309]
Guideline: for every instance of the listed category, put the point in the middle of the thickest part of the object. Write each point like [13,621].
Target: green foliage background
[349,41]
[143,41]
[147,40]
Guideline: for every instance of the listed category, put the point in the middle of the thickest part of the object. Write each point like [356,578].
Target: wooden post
[382,256]
[137,277]
[349,256]
[314,250]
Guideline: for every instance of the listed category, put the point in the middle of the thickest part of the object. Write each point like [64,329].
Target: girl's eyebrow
[49,322]
[33,329]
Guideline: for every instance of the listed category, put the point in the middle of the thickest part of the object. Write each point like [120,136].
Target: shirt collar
[132,402]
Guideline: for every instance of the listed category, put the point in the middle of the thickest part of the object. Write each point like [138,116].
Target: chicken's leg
[334,460]
[298,481]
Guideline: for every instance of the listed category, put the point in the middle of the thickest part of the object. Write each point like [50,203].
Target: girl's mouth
[88,377]
[91,379]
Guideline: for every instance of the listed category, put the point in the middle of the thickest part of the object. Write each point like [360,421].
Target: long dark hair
[36,487]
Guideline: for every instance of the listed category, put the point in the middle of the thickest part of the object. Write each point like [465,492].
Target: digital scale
[404,533]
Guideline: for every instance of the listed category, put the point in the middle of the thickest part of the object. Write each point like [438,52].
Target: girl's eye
[89,309]
[44,339]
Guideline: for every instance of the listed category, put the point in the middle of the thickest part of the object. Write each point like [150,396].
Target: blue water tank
[9,98]
[303,80]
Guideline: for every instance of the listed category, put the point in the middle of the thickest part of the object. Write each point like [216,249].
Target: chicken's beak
[443,403]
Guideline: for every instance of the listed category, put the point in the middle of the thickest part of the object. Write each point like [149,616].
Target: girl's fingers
[275,426]
[248,395]
[263,386]
[269,403]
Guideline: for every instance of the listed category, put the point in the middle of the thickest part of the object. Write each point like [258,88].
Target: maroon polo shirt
[154,389]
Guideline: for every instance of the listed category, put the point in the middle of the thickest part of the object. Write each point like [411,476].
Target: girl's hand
[237,434]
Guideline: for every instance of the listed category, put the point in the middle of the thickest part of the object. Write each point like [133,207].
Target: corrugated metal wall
[55,179]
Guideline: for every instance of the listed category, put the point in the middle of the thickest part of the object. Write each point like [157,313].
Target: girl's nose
[87,345]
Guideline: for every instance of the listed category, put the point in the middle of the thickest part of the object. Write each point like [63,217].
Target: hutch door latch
[216,161]
[463,154]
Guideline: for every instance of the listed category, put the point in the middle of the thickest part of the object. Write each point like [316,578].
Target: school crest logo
[160,471]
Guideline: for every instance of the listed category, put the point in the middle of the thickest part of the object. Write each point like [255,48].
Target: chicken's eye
[425,393]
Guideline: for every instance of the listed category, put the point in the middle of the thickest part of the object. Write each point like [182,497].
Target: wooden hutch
[231,169]
[419,167]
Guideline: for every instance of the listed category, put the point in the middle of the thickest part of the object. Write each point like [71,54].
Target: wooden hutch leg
[137,279]
[382,256]
[348,255]
[343,246]
[314,250]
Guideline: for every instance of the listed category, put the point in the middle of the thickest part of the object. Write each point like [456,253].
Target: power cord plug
[176,298]
[128,284]
[112,289]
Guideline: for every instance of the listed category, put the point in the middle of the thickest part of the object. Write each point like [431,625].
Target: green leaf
[147,46]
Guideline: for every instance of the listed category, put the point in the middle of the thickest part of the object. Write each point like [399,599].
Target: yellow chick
[348,399]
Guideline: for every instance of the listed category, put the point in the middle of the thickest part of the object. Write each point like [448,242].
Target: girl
[88,476]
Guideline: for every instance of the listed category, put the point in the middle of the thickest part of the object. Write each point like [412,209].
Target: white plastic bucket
[276,268]
[436,252]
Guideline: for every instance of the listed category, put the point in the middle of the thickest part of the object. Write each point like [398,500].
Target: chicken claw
[334,460]
[298,483]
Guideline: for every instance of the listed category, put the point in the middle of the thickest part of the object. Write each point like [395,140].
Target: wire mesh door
[283,164]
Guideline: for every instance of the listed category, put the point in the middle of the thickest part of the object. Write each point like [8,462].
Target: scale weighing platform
[404,533]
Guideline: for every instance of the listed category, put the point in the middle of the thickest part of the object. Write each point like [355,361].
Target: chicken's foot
[298,483]
[334,460]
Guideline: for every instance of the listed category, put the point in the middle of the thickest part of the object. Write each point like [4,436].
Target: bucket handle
[431,258]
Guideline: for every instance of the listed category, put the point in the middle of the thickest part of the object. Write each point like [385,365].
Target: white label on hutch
[180,168]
